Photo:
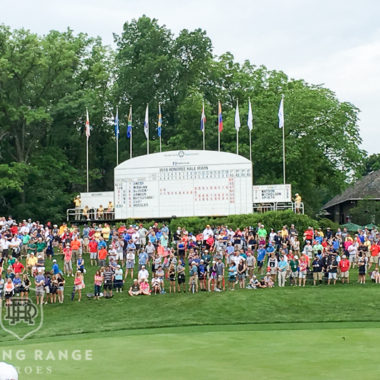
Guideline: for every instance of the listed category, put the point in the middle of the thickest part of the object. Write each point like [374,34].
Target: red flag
[220,118]
[87,124]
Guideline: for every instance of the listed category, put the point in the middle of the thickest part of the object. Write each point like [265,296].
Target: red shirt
[375,249]
[102,254]
[344,264]
[93,245]
[14,230]
[18,267]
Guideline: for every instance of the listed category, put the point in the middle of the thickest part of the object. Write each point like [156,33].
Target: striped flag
[237,118]
[220,118]
[117,123]
[249,122]
[203,118]
[159,124]
[281,113]
[129,128]
[87,124]
[146,122]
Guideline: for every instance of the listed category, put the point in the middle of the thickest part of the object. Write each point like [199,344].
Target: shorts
[9,295]
[93,255]
[332,276]
[201,276]
[317,276]
[108,285]
[172,278]
[118,284]
[232,278]
[130,265]
[352,258]
[136,293]
[181,279]
[344,274]
[273,271]
[302,274]
[119,256]
[40,292]
[213,276]
[241,276]
[79,287]
[294,274]
[374,259]
[53,290]
[61,288]
[47,289]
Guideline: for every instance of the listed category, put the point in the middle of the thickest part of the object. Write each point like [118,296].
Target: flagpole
[117,136]
[236,127]
[250,145]
[204,139]
[283,148]
[130,146]
[87,155]
[218,130]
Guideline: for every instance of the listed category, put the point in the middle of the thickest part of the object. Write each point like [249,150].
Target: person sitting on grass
[156,285]
[134,290]
[144,287]
[268,281]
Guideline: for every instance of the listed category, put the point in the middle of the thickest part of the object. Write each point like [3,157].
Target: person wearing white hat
[8,372]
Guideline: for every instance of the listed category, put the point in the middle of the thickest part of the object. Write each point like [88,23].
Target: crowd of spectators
[155,260]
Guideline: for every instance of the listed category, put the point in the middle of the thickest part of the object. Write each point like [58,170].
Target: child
[9,291]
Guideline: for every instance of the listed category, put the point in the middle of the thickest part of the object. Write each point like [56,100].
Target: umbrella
[352,226]
[371,226]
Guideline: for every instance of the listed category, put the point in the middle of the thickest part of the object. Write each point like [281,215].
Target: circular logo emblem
[181,153]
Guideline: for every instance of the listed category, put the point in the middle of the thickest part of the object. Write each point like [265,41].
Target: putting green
[206,353]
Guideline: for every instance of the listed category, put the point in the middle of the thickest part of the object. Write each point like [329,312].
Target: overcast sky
[334,42]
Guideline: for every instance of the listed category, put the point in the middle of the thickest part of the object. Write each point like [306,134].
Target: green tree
[366,211]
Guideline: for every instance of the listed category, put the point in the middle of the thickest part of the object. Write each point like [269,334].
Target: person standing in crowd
[77,204]
[332,269]
[108,276]
[98,281]
[344,267]
[282,270]
[362,265]
[317,270]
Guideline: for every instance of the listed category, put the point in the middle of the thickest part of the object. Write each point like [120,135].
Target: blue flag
[117,123]
[129,129]
[159,124]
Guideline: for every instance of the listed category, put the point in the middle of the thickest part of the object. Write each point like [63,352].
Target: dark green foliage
[46,83]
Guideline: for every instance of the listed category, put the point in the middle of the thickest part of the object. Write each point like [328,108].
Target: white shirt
[207,232]
[143,273]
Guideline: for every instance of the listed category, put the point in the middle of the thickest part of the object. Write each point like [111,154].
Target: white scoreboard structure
[183,183]
[272,194]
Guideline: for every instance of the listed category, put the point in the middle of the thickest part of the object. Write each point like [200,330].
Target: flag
[281,113]
[87,124]
[117,123]
[129,128]
[249,122]
[220,118]
[159,124]
[203,118]
[237,118]
[146,122]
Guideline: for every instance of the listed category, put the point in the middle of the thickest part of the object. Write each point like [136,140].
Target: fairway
[224,352]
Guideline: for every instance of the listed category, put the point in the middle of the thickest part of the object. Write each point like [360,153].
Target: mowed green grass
[313,332]
[225,352]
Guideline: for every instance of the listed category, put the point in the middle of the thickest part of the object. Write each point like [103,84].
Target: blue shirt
[282,265]
[232,270]
[55,268]
[261,254]
[143,258]
[102,244]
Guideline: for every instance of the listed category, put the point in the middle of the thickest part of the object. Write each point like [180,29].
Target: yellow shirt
[106,232]
[298,199]
[77,202]
[31,261]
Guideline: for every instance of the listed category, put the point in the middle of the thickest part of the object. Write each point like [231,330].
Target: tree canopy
[46,83]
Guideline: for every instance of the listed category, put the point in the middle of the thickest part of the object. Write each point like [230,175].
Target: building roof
[366,187]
